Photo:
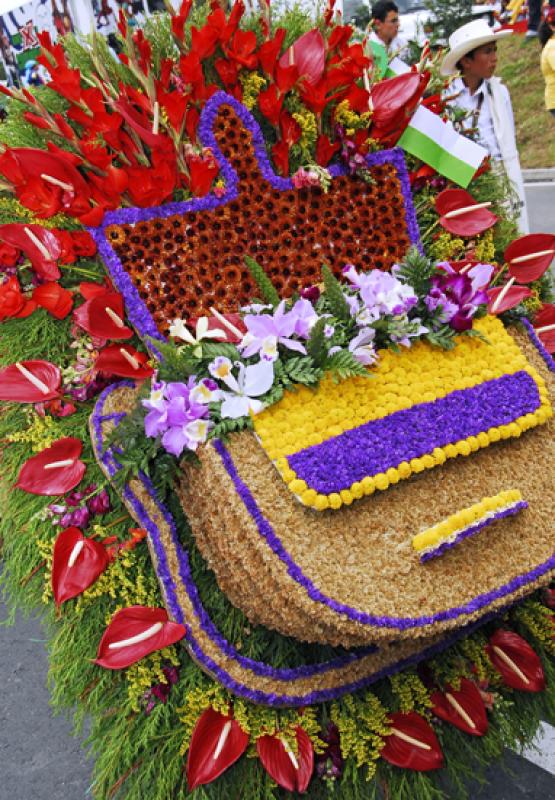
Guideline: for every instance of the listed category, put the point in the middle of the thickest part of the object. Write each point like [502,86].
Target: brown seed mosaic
[185,264]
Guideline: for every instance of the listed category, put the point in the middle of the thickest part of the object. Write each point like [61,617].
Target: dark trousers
[535,13]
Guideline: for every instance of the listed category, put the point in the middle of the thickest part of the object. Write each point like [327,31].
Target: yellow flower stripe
[456,523]
[422,374]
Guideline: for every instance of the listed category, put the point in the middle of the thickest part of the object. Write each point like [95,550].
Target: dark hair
[470,54]
[381,9]
[544,33]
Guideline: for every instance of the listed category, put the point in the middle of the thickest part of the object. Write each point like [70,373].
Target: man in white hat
[473,53]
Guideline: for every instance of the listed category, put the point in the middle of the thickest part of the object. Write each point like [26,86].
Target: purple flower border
[223,677]
[400,623]
[137,310]
[537,342]
[472,530]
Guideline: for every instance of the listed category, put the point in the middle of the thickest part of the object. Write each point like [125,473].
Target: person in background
[385,28]
[534,16]
[473,53]
[546,35]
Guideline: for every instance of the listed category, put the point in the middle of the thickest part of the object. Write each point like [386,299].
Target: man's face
[388,29]
[482,63]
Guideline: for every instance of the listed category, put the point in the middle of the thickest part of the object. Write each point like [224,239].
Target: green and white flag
[438,144]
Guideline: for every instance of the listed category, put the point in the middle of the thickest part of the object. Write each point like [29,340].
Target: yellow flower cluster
[350,120]
[533,303]
[363,724]
[538,618]
[484,249]
[450,527]
[410,692]
[146,673]
[446,247]
[41,433]
[309,129]
[252,85]
[399,380]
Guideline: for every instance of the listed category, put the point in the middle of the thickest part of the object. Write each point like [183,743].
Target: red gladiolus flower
[13,302]
[270,50]
[462,707]
[89,289]
[242,50]
[178,20]
[280,154]
[308,54]
[270,103]
[286,77]
[124,361]
[133,633]
[9,256]
[53,471]
[151,186]
[290,129]
[412,743]
[30,382]
[203,170]
[519,665]
[325,150]
[39,244]
[529,257]
[102,316]
[54,298]
[77,563]
[461,215]
[291,771]
[217,742]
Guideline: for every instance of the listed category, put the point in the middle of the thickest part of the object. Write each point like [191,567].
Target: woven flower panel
[186,258]
[420,408]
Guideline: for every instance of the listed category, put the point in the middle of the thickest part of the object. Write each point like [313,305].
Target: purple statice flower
[381,293]
[349,154]
[266,331]
[329,763]
[458,295]
[99,503]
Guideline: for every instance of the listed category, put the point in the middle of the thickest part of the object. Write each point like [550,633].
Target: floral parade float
[277,423]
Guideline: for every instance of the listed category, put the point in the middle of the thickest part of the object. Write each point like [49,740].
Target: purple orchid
[458,295]
[178,412]
[362,346]
[266,331]
[99,503]
[381,293]
[329,763]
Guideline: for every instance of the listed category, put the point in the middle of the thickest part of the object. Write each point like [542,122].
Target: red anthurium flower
[308,54]
[77,563]
[89,289]
[125,361]
[54,298]
[217,742]
[30,382]
[519,665]
[549,598]
[412,743]
[502,298]
[462,707]
[13,302]
[39,244]
[528,257]
[54,470]
[544,325]
[394,101]
[133,633]
[103,316]
[325,150]
[460,214]
[291,771]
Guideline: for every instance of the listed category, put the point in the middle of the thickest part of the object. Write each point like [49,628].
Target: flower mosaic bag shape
[388,514]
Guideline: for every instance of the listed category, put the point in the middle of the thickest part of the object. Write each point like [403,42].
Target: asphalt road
[41,760]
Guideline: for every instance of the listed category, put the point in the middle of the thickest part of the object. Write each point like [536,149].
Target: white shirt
[465,99]
[397,46]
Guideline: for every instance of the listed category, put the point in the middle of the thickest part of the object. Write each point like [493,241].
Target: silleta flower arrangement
[277,434]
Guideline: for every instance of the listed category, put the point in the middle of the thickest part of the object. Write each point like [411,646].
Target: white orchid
[179,330]
[250,383]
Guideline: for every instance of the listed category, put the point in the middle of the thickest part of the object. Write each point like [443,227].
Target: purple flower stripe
[537,342]
[185,572]
[442,547]
[376,446]
[401,623]
[137,311]
[255,696]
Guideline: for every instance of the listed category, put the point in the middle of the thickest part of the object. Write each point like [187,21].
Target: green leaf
[334,295]
[343,365]
[416,271]
[301,369]
[267,289]
[317,346]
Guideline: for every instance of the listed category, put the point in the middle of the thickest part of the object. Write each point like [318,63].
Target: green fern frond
[267,289]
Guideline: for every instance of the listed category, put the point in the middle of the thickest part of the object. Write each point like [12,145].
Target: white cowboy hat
[466,38]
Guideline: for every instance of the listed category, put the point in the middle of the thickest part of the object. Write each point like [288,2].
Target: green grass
[519,67]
